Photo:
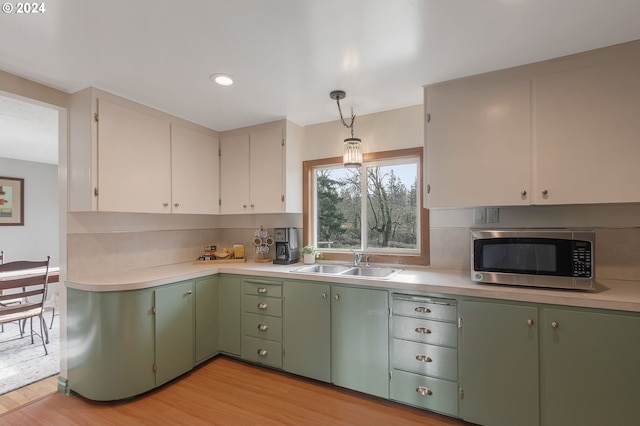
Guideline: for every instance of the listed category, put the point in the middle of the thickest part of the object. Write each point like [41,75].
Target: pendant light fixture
[352,146]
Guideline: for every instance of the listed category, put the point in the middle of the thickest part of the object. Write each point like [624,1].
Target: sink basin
[353,271]
[371,272]
[323,269]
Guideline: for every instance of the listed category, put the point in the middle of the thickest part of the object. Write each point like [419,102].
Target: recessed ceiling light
[221,79]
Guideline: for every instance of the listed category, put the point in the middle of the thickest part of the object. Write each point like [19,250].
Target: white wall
[38,238]
[383,131]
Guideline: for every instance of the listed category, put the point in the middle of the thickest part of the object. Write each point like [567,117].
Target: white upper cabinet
[261,169]
[587,134]
[194,171]
[134,161]
[234,174]
[477,134]
[125,157]
[564,131]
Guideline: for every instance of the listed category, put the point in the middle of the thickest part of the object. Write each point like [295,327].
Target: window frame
[421,258]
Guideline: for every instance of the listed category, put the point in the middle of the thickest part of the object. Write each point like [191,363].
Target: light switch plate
[493,215]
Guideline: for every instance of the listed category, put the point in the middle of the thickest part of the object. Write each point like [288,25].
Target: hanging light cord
[353,118]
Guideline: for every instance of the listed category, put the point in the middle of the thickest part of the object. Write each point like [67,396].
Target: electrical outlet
[493,215]
[479,215]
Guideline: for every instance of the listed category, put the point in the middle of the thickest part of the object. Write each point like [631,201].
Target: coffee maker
[287,250]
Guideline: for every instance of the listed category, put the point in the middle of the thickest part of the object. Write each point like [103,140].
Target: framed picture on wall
[11,201]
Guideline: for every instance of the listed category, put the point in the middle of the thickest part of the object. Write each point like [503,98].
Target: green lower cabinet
[590,368]
[229,314]
[499,364]
[360,339]
[425,392]
[206,318]
[110,343]
[307,329]
[174,330]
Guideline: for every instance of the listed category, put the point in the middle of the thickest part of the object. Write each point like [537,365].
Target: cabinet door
[234,174]
[266,171]
[586,135]
[499,364]
[589,368]
[195,172]
[477,143]
[110,341]
[206,323]
[307,329]
[174,331]
[360,339]
[134,161]
[229,314]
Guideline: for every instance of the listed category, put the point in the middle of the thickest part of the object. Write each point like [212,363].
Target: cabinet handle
[189,293]
[176,205]
[424,391]
[423,330]
[262,290]
[165,204]
[545,193]
[523,194]
[263,352]
[263,327]
[423,310]
[337,296]
[423,358]
[252,206]
[324,295]
[554,324]
[244,206]
[262,306]
[530,322]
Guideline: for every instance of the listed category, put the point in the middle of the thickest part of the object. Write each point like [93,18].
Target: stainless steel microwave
[556,258]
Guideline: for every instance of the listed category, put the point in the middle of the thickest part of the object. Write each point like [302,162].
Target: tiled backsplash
[617,227]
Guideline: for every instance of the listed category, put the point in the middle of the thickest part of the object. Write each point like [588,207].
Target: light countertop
[609,294]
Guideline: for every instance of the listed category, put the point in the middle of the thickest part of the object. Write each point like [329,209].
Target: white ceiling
[287,55]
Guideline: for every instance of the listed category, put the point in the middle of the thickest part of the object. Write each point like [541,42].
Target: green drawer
[425,392]
[419,330]
[265,352]
[424,307]
[262,288]
[262,326]
[262,305]
[425,359]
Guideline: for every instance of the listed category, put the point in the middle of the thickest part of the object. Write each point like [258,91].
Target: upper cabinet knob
[523,194]
[545,193]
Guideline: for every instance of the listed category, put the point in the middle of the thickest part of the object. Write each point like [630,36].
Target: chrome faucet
[356,257]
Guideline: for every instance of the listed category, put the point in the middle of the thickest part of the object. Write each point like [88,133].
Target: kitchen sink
[363,271]
[323,269]
[352,271]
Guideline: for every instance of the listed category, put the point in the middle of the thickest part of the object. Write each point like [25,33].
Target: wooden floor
[229,392]
[26,394]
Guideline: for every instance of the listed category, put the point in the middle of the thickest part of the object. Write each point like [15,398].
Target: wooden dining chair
[26,281]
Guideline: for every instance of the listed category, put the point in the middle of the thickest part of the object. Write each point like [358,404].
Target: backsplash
[103,248]
[105,242]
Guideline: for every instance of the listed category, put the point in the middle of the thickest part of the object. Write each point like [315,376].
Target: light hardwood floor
[26,394]
[229,392]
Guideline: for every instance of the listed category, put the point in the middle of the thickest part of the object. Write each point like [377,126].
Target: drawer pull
[424,391]
[263,327]
[423,330]
[423,310]
[263,290]
[423,358]
[262,306]
[263,352]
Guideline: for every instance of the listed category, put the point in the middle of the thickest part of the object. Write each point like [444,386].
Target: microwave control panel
[582,259]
